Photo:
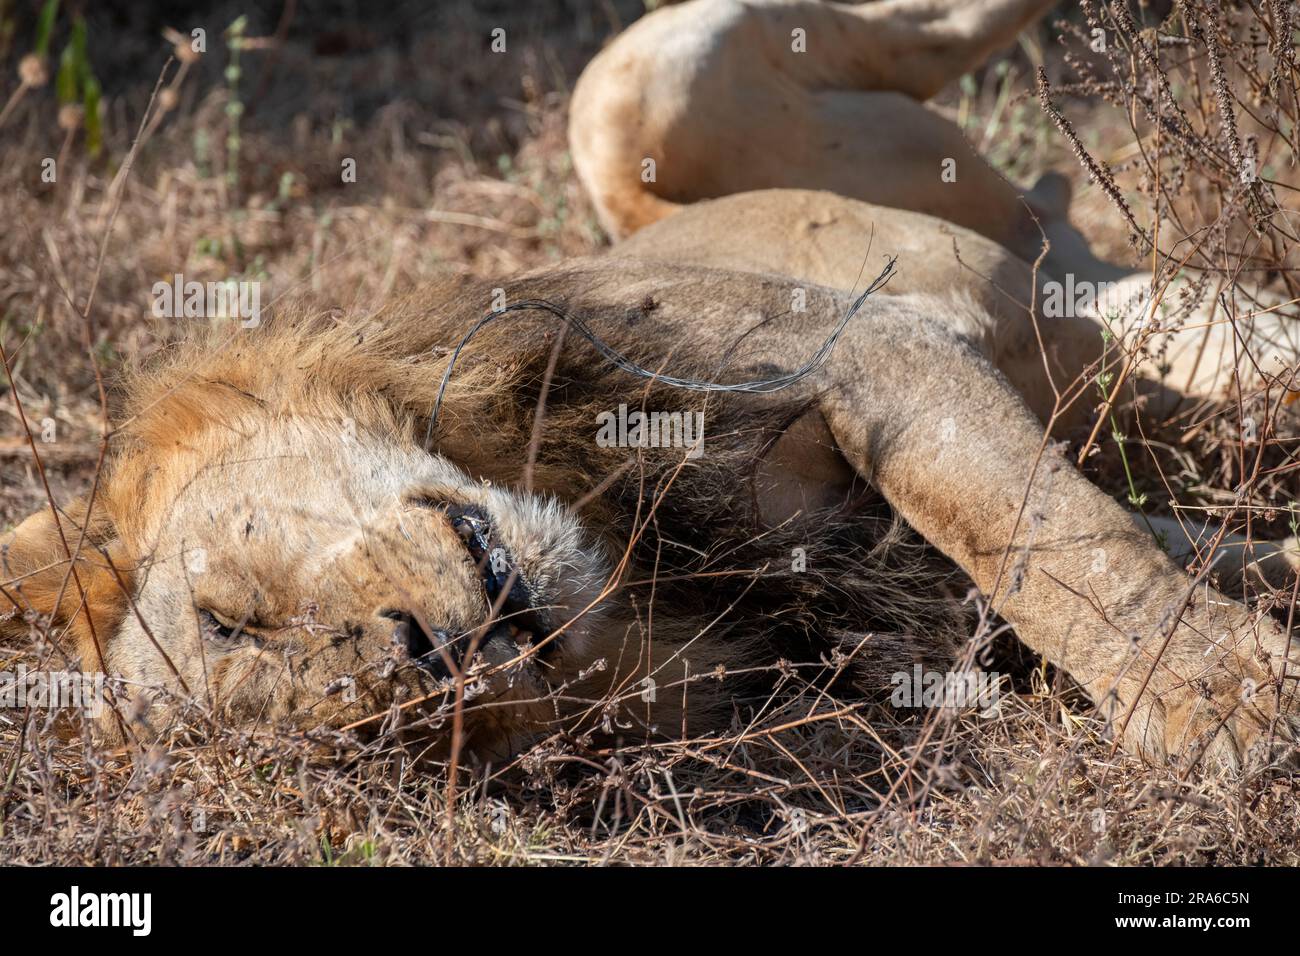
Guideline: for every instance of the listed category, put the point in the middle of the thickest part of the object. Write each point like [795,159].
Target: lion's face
[305,573]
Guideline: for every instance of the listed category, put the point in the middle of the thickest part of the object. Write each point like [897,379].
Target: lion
[713,97]
[450,516]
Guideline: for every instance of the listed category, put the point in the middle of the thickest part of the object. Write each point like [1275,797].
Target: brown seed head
[32,71]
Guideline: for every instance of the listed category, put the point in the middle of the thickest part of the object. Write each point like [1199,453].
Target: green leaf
[45,27]
[65,84]
[94,131]
[79,49]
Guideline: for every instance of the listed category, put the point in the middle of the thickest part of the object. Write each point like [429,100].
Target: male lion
[287,532]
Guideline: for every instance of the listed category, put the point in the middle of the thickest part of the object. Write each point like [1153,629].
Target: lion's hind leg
[717,97]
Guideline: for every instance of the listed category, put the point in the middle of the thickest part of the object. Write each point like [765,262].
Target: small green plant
[45,27]
[1135,498]
[234,105]
[203,152]
[78,90]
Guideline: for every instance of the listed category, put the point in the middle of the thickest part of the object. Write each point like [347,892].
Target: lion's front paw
[1231,707]
[1227,721]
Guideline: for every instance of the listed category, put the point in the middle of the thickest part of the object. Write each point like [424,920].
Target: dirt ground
[462,167]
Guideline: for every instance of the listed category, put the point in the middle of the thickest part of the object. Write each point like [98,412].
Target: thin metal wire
[617,359]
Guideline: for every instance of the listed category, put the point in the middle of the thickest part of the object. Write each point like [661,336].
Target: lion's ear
[34,578]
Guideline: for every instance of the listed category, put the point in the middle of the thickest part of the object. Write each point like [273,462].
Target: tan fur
[834,241]
[85,599]
[714,93]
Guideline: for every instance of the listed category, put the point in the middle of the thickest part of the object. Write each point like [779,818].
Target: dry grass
[462,166]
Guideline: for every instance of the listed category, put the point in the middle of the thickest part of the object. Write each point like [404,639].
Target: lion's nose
[418,644]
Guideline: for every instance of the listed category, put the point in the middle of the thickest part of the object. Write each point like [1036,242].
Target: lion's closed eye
[224,630]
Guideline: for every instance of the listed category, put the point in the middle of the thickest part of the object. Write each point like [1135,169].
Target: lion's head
[314,571]
[273,541]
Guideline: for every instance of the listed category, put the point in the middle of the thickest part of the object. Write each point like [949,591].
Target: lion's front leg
[1178,667]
